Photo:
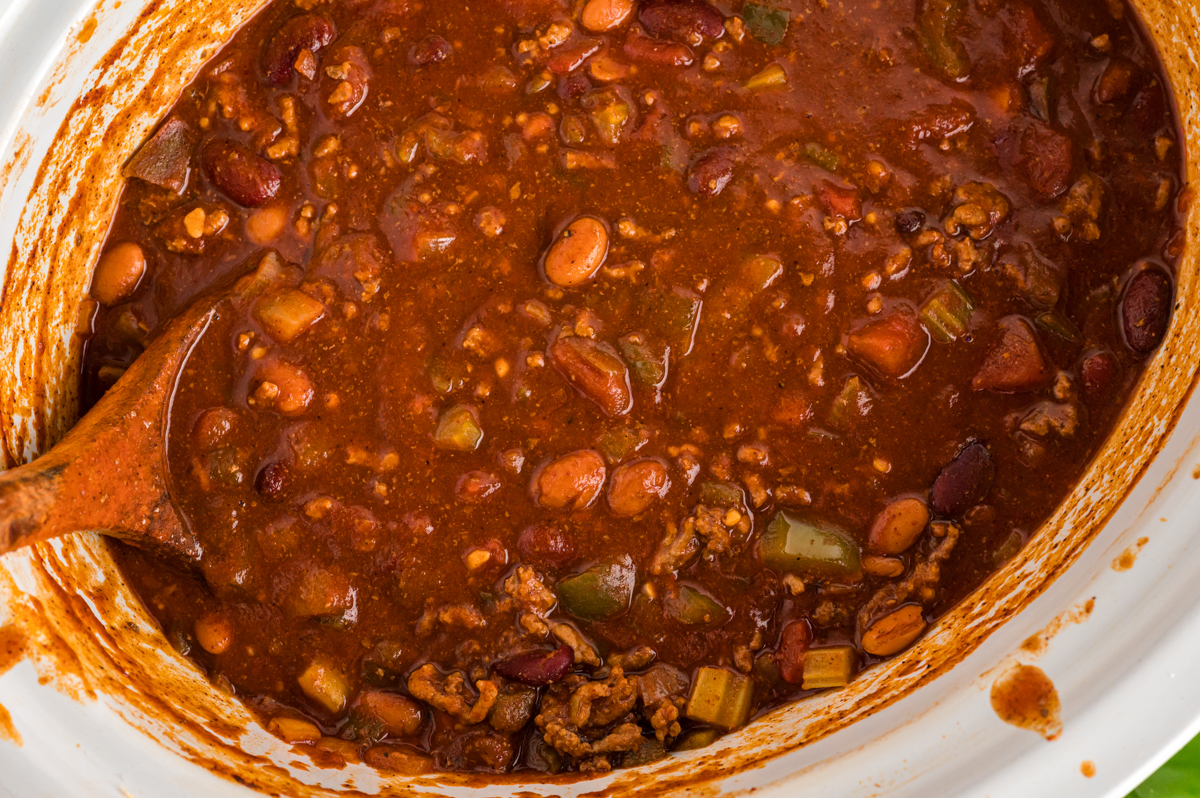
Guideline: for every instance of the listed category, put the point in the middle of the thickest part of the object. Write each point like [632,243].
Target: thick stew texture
[620,370]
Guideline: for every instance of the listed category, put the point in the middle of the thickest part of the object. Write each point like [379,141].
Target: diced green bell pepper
[796,545]
[936,24]
[768,25]
[647,364]
[947,313]
[458,430]
[695,739]
[721,494]
[692,607]
[1059,325]
[720,698]
[852,403]
[601,592]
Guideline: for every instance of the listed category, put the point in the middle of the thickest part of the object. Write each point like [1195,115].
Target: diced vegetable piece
[595,371]
[610,114]
[225,467]
[691,607]
[947,313]
[755,276]
[651,750]
[768,25]
[647,364]
[828,667]
[773,77]
[853,403]
[696,739]
[1058,324]
[822,156]
[895,631]
[294,730]
[447,375]
[165,157]
[601,592]
[513,710]
[325,684]
[458,430]
[720,698]
[796,545]
[721,494]
[1015,363]
[893,345]
[617,444]
[1008,548]
[674,315]
[936,23]
[284,316]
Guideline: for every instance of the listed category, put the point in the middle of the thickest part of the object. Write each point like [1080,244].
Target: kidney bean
[894,632]
[578,252]
[118,273]
[641,47]
[1015,363]
[636,486]
[688,21]
[272,481]
[1098,375]
[571,482]
[547,546]
[573,86]
[304,32]
[1146,309]
[898,526]
[537,668]
[430,50]
[909,221]
[244,177]
[711,172]
[599,16]
[964,482]
[596,371]
[793,644]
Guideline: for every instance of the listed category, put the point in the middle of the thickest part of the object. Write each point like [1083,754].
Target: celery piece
[692,607]
[936,22]
[601,592]
[853,402]
[695,739]
[673,315]
[822,156]
[768,25]
[772,77]
[720,698]
[796,545]
[617,444]
[458,430]
[947,313]
[651,750]
[828,667]
[647,364]
[1058,324]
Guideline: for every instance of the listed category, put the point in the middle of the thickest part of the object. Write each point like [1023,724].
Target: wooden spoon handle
[27,494]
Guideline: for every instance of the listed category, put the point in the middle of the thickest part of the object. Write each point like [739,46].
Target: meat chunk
[578,715]
[1042,156]
[449,693]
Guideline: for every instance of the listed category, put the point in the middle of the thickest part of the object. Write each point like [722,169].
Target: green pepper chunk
[720,698]
[768,25]
[796,545]
[648,366]
[695,739]
[673,315]
[721,494]
[458,430]
[617,444]
[822,156]
[1058,324]
[651,750]
[601,592]
[692,607]
[936,22]
[947,313]
[852,403]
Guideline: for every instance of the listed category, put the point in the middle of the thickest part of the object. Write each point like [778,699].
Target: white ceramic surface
[1128,677]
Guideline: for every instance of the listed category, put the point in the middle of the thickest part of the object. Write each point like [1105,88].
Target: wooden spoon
[109,474]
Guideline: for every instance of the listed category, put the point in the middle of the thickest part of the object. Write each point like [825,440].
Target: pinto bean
[399,715]
[578,252]
[283,386]
[711,172]
[688,21]
[636,486]
[599,16]
[964,482]
[537,668]
[212,427]
[596,371]
[547,546]
[214,632]
[244,177]
[898,526]
[1146,309]
[894,632]
[304,32]
[572,482]
[118,273]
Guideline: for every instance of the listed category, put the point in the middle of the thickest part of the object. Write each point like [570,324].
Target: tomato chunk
[893,345]
[1015,363]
